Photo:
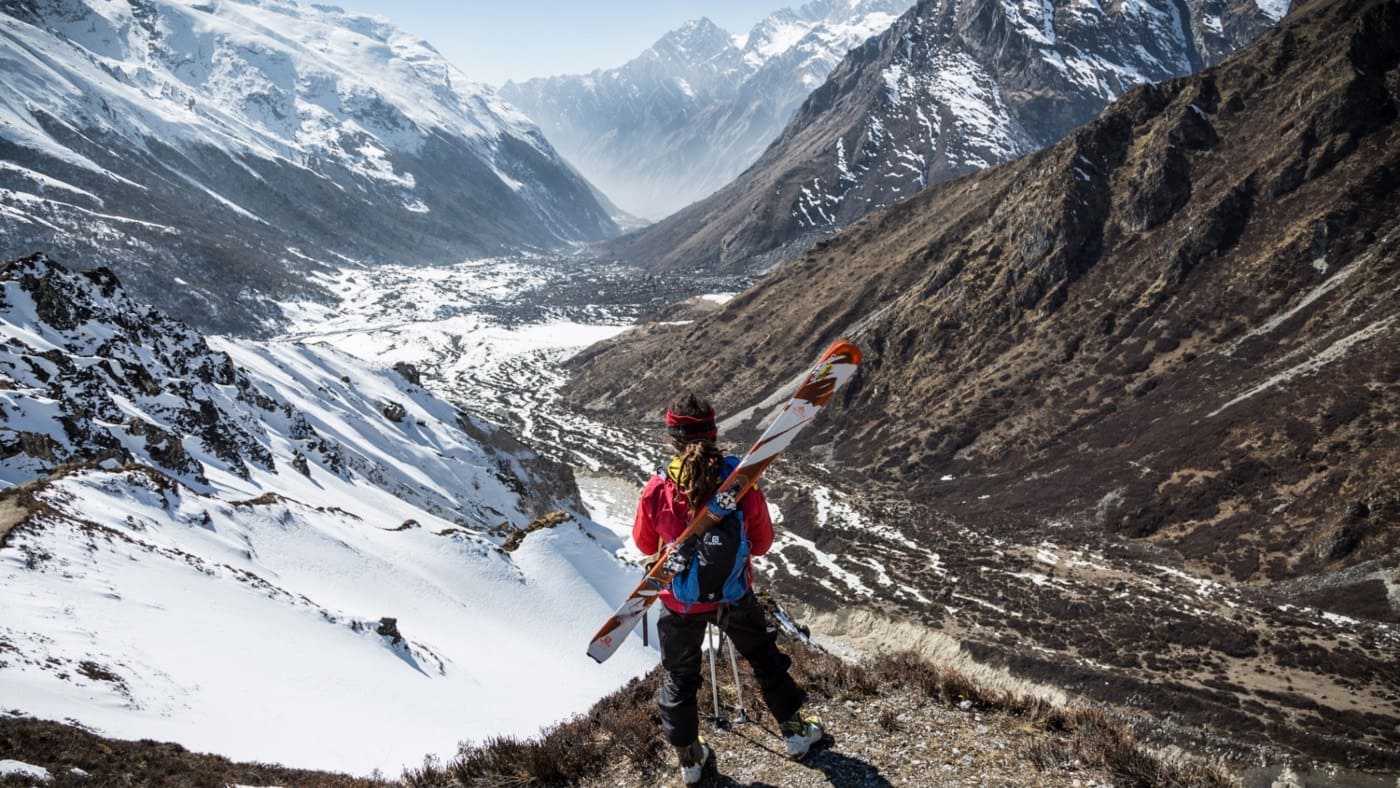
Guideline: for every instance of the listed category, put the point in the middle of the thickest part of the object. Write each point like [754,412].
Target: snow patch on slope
[1274,9]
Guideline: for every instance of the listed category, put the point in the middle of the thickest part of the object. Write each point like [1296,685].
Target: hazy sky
[496,40]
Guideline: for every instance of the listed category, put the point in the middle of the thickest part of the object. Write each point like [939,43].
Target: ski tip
[844,348]
[606,642]
[600,652]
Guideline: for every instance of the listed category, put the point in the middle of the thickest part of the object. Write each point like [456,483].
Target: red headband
[691,428]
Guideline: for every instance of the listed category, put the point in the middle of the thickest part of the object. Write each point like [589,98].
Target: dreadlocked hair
[702,463]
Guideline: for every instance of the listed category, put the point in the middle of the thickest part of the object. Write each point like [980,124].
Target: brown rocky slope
[1167,341]
[1182,318]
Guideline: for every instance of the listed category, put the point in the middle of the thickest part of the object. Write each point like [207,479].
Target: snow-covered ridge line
[958,96]
[93,376]
[273,78]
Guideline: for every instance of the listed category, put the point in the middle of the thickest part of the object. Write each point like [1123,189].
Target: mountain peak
[704,25]
[696,41]
[943,90]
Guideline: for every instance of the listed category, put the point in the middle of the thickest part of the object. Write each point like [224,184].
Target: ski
[833,369]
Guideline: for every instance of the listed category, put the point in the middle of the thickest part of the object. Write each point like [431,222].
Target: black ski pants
[682,640]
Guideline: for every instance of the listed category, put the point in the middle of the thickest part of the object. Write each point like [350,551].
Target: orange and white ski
[835,367]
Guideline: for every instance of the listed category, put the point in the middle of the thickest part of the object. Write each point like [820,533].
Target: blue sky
[518,39]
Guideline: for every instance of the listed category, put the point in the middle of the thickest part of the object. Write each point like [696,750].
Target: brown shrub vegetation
[61,748]
[625,724]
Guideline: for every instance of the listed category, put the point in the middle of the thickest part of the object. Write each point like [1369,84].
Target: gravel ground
[896,739]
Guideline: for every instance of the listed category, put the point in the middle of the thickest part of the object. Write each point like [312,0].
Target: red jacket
[663,513]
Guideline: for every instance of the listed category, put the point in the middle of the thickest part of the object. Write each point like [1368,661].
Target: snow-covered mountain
[951,87]
[959,92]
[204,540]
[689,114]
[229,146]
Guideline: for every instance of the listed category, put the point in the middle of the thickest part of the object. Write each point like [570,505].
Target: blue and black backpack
[717,571]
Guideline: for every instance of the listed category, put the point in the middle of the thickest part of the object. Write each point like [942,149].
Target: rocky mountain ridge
[690,113]
[950,88]
[237,148]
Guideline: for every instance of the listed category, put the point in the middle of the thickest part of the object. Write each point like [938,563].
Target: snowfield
[251,629]
[477,332]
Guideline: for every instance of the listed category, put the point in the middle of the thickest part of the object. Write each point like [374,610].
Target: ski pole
[714,686]
[739,716]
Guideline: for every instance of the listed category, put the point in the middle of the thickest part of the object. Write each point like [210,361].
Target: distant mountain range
[951,87]
[686,116]
[216,154]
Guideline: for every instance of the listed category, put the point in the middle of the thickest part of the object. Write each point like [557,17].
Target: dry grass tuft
[889,721]
[559,755]
[829,676]
[1049,754]
[1096,741]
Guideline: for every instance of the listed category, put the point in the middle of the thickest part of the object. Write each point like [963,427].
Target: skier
[663,512]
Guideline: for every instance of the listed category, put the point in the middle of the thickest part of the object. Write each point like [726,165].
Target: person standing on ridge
[690,479]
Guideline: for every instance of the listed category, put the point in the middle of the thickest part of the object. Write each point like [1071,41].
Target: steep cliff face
[1176,325]
[690,113]
[950,88]
[233,148]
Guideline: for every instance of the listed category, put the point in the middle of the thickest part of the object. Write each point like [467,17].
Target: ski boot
[800,733]
[693,758]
